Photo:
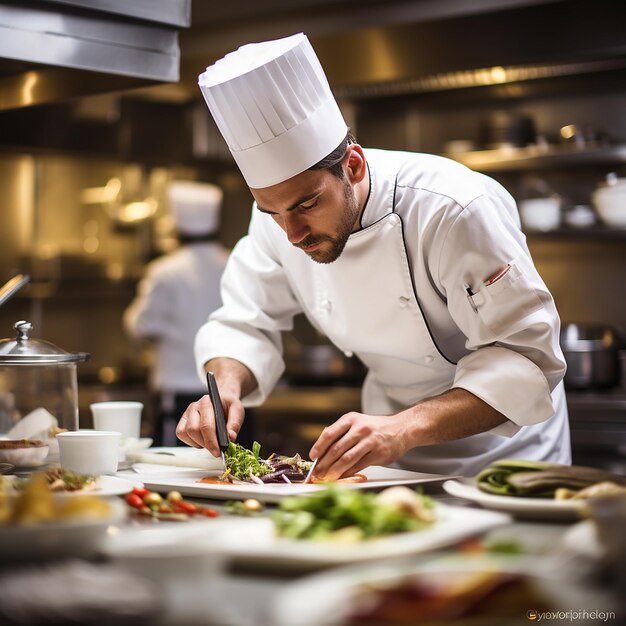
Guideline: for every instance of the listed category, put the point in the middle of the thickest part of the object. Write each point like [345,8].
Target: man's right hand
[196,427]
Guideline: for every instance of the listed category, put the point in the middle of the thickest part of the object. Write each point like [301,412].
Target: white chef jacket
[456,228]
[176,296]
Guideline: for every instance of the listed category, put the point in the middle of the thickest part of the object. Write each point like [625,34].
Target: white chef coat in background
[409,296]
[175,297]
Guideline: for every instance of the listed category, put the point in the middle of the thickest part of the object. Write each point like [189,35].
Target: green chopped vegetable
[243,463]
[322,514]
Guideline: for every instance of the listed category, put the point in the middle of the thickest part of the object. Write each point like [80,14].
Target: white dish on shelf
[530,508]
[256,542]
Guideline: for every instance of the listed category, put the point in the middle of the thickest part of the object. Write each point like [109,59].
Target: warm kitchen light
[30,81]
[137,211]
[24,186]
[567,132]
[101,195]
[498,74]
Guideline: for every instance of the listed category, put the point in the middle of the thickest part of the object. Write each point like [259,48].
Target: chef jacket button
[327,305]
[404,302]
[348,354]
[429,358]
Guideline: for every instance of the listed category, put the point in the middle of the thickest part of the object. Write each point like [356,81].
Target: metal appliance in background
[54,50]
[38,380]
[592,353]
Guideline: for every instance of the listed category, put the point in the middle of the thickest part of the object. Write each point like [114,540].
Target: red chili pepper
[141,491]
[209,512]
[185,507]
[134,500]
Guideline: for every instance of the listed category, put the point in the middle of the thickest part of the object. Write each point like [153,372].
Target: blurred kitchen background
[99,109]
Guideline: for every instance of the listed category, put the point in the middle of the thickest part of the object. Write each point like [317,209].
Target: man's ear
[356,167]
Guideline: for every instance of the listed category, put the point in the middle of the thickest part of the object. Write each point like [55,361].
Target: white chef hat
[274,107]
[195,207]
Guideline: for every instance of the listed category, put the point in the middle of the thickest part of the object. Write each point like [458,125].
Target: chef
[411,262]
[176,296]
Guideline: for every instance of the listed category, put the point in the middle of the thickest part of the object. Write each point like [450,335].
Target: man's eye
[311,205]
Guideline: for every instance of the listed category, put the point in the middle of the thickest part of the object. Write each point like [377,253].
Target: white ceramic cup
[122,416]
[93,452]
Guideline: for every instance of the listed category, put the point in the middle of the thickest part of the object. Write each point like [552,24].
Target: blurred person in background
[176,296]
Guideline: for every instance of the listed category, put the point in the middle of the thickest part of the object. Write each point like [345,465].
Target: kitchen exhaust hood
[54,50]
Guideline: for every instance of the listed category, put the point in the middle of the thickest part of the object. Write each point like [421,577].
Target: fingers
[341,446]
[364,461]
[329,436]
[234,420]
[196,427]
[352,456]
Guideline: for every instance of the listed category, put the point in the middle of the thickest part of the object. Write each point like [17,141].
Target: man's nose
[295,229]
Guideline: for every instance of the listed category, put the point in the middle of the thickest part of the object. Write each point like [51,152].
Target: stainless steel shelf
[592,233]
[535,157]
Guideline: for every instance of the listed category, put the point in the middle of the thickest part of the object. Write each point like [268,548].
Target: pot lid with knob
[25,350]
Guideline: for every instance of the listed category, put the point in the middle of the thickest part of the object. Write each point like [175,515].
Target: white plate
[530,508]
[186,481]
[257,543]
[329,598]
[78,537]
[105,486]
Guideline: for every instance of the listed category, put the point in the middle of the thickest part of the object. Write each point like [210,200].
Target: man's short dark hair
[332,161]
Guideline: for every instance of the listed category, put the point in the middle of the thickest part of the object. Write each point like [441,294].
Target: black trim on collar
[369,193]
[408,258]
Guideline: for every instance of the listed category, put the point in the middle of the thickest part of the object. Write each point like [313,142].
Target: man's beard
[338,243]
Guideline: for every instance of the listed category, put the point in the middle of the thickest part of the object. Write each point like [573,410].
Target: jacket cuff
[510,383]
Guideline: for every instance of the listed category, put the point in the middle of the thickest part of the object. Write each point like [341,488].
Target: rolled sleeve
[494,375]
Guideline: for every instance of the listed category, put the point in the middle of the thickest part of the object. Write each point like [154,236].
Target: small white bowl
[92,452]
[24,456]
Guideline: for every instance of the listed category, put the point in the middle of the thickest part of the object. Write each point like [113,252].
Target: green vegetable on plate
[351,515]
[539,479]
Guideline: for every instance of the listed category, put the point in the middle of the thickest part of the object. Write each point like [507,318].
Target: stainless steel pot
[592,355]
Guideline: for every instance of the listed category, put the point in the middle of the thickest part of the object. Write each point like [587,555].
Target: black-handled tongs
[218,411]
